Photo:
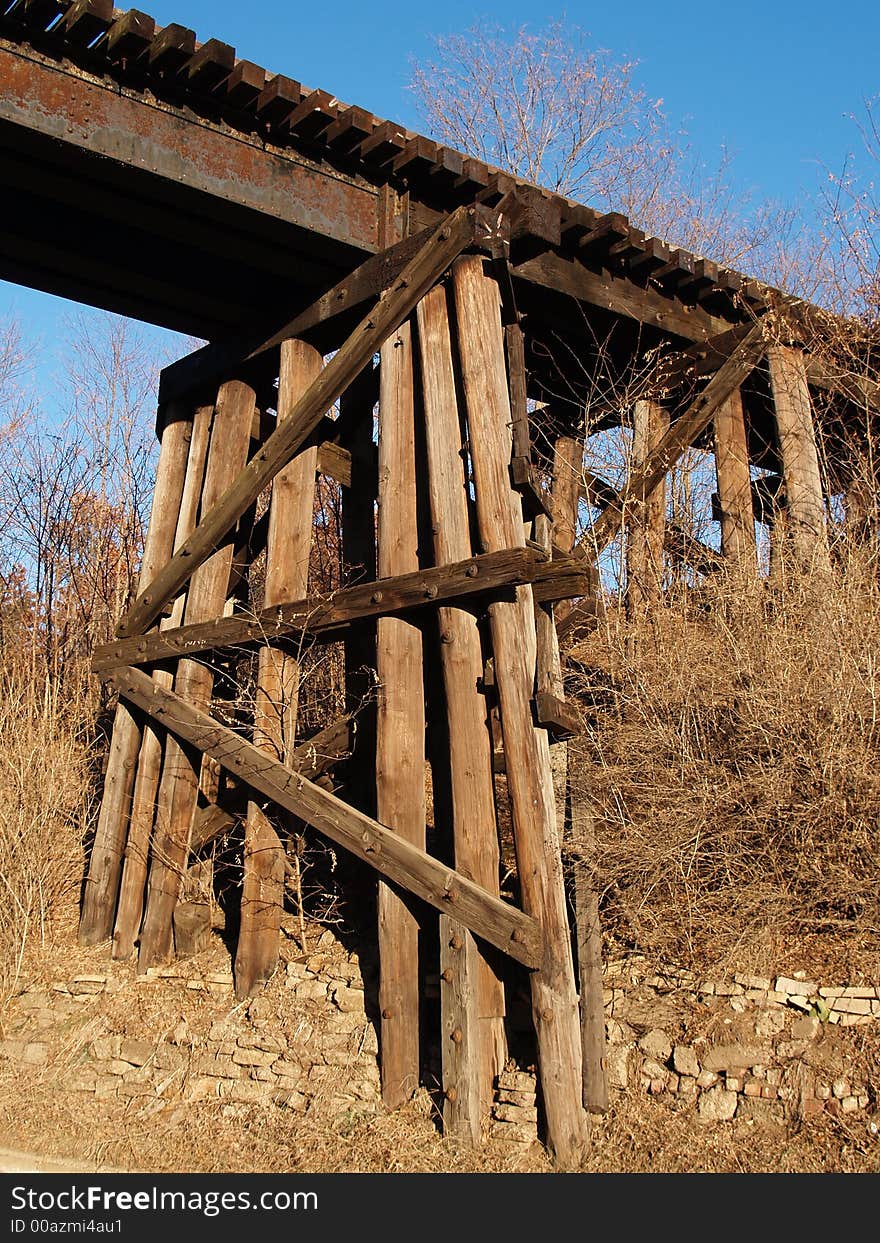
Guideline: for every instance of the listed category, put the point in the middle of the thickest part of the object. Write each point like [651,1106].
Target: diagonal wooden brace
[449,239]
[499,923]
[676,440]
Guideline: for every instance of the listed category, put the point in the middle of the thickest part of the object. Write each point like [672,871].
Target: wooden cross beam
[676,440]
[499,923]
[487,573]
[448,240]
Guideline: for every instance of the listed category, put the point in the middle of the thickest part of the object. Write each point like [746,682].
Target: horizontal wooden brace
[477,576]
[497,922]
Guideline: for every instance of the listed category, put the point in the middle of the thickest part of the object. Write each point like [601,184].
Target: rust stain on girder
[61,102]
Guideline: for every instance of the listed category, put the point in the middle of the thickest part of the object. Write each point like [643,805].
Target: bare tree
[73,488]
[552,109]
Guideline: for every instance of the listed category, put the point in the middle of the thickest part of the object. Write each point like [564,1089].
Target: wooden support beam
[400,721]
[589,933]
[471,993]
[574,812]
[645,516]
[680,435]
[288,547]
[105,860]
[313,759]
[179,785]
[397,860]
[450,237]
[359,567]
[805,506]
[149,766]
[512,625]
[479,578]
[735,486]
[621,296]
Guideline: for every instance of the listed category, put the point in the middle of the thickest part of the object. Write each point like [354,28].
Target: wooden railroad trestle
[465,557]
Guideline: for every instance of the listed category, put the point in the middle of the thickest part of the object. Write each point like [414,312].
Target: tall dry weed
[733,765]
[46,791]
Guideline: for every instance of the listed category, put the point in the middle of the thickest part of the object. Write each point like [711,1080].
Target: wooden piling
[574,763]
[512,625]
[149,765]
[471,994]
[735,486]
[105,861]
[646,525]
[568,483]
[805,505]
[400,723]
[178,788]
[288,548]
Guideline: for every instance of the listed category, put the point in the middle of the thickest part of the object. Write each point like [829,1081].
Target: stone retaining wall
[770,1050]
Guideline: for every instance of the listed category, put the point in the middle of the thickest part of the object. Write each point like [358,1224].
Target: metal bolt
[387,1014]
[447,976]
[455,943]
[457,1036]
[451,1094]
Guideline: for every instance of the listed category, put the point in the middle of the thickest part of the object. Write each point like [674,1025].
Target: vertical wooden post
[400,724]
[105,862]
[471,994]
[512,624]
[359,565]
[143,803]
[735,485]
[576,763]
[805,507]
[288,548]
[646,528]
[568,476]
[178,788]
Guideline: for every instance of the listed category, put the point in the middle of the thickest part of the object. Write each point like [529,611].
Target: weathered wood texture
[472,995]
[680,435]
[805,506]
[288,548]
[400,721]
[179,784]
[105,861]
[447,240]
[572,766]
[539,864]
[568,483]
[479,577]
[646,517]
[313,758]
[589,932]
[357,410]
[501,924]
[734,486]
[143,803]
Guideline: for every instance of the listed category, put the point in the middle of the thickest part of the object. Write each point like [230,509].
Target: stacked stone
[317,1050]
[515,1111]
[790,1071]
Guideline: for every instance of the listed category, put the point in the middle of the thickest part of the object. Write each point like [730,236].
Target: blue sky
[775,83]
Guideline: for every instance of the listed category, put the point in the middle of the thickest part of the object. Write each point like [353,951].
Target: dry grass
[46,791]
[733,769]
